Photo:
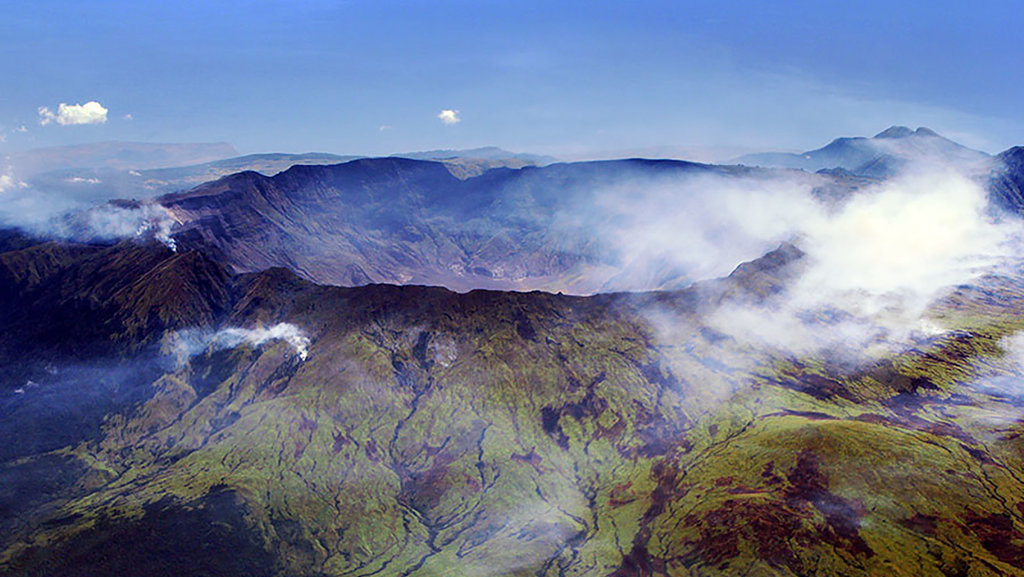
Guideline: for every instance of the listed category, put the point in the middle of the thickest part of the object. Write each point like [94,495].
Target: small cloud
[91,112]
[128,117]
[384,127]
[449,116]
[21,129]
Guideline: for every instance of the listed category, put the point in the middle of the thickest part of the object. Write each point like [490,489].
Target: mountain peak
[895,132]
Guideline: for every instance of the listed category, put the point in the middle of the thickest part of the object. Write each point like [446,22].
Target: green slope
[435,433]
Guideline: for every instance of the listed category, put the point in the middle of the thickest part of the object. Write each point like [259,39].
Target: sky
[570,79]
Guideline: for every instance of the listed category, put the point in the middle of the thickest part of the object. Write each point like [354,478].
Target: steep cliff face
[412,222]
[417,431]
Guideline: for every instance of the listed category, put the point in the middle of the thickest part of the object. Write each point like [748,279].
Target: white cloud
[873,267]
[873,262]
[128,117]
[916,234]
[21,129]
[384,127]
[91,112]
[449,116]
[6,182]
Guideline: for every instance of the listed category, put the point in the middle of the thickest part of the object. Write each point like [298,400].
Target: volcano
[281,392]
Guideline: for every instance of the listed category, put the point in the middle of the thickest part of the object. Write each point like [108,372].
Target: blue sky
[564,78]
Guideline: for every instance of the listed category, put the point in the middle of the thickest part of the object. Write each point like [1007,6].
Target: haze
[701,80]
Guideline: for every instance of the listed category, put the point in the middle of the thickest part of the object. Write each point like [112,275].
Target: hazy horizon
[571,80]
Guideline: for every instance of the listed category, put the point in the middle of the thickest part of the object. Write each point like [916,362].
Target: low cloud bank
[874,260]
[874,267]
[699,226]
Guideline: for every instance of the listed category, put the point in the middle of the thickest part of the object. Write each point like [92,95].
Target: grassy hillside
[435,433]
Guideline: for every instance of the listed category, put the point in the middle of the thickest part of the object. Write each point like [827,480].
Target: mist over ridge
[511,289]
[629,367]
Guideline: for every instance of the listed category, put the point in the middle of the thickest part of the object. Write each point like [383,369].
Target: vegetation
[435,433]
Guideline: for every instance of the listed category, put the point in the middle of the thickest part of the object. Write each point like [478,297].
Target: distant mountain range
[549,228]
[482,153]
[479,218]
[44,183]
[120,156]
[880,156]
[138,170]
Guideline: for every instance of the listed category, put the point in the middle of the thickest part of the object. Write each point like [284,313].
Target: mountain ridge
[880,156]
[411,221]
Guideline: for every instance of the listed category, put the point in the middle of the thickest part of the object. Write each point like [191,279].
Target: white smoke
[110,221]
[873,262]
[910,237]
[996,391]
[79,217]
[232,337]
[873,268]
[190,342]
[161,226]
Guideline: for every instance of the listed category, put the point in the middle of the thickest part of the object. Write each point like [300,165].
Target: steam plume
[188,343]
[114,221]
[232,337]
